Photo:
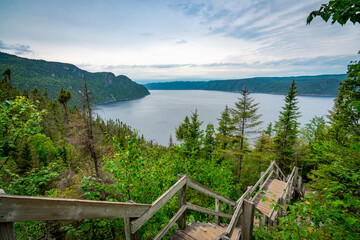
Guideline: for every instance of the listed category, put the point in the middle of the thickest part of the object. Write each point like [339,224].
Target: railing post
[217,208]
[7,231]
[128,234]
[262,179]
[182,201]
[7,228]
[247,220]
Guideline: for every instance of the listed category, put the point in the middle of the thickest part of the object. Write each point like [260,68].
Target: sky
[162,40]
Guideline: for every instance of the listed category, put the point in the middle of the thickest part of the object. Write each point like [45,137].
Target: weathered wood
[261,179]
[217,209]
[206,210]
[22,208]
[282,174]
[235,218]
[247,220]
[7,231]
[128,234]
[262,186]
[201,188]
[155,206]
[163,231]
[181,203]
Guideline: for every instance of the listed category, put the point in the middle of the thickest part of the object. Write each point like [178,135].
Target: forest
[321,85]
[47,76]
[49,148]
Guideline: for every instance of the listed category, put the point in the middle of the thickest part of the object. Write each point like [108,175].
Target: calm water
[157,115]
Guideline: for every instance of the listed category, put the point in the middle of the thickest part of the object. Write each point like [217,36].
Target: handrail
[201,188]
[290,181]
[284,177]
[262,186]
[155,206]
[263,176]
[184,180]
[23,208]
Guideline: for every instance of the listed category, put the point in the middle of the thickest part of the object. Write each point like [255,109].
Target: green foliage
[344,116]
[225,129]
[18,119]
[190,133]
[321,85]
[286,130]
[313,130]
[28,73]
[340,11]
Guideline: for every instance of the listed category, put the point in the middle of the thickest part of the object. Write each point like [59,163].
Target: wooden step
[273,189]
[201,231]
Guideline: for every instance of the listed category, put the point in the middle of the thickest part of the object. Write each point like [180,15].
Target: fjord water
[157,115]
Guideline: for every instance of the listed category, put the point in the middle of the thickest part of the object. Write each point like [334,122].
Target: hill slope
[104,86]
[321,85]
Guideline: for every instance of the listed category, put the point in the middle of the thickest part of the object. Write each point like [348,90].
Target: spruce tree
[345,117]
[286,130]
[63,98]
[224,136]
[245,121]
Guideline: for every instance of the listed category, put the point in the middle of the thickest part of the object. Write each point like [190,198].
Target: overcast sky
[179,39]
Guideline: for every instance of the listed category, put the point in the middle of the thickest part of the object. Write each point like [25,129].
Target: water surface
[157,115]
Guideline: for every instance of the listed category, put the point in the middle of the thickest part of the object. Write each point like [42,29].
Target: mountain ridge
[315,85]
[28,74]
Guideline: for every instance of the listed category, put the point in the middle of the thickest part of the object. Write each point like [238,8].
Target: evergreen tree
[245,121]
[190,133]
[7,75]
[225,129]
[269,130]
[87,114]
[63,98]
[209,140]
[286,130]
[345,117]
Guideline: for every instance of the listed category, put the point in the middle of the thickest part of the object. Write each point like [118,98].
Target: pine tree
[286,130]
[87,114]
[209,140]
[7,75]
[63,98]
[190,133]
[225,129]
[245,121]
[345,117]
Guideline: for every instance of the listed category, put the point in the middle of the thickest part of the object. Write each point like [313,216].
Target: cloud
[18,49]
[182,41]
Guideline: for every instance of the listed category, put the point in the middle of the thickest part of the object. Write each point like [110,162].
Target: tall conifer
[286,129]
[245,121]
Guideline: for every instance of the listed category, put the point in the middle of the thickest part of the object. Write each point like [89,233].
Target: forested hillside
[52,150]
[322,85]
[27,74]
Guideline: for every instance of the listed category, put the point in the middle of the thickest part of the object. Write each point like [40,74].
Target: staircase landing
[201,231]
[273,190]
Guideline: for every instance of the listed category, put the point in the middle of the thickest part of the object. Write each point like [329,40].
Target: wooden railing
[21,208]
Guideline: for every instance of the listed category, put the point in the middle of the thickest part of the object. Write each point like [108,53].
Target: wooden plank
[182,202]
[22,208]
[262,186]
[217,209]
[180,235]
[206,210]
[155,206]
[163,231]
[247,220]
[234,220]
[7,231]
[283,175]
[261,179]
[201,188]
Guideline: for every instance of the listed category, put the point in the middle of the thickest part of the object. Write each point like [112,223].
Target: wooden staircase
[272,184]
[205,231]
